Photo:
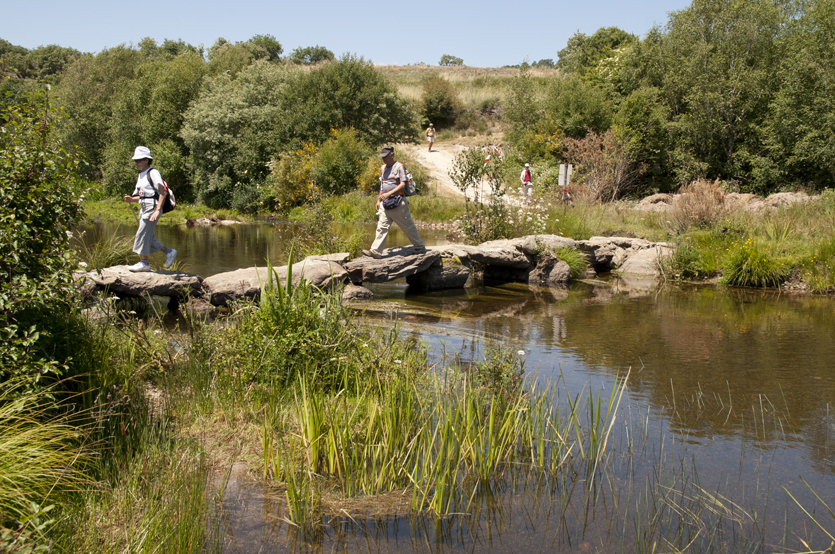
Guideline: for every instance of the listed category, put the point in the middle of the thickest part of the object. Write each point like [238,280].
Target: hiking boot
[372,254]
[419,250]
[169,258]
[139,267]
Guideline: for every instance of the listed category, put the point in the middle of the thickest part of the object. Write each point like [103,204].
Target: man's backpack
[170,203]
[411,187]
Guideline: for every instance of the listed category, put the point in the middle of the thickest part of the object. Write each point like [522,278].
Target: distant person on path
[393,206]
[149,193]
[527,185]
[430,135]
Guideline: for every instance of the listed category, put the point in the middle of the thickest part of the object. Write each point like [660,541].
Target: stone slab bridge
[532,259]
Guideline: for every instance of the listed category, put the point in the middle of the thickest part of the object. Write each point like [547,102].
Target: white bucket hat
[142,152]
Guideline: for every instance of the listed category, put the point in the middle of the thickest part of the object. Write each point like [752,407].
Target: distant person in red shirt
[527,184]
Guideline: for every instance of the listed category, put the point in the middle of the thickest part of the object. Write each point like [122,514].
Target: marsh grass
[442,438]
[104,251]
[43,452]
[577,261]
[752,265]
[435,209]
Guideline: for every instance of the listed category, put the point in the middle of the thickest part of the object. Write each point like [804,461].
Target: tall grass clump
[750,265]
[43,457]
[104,251]
[698,204]
[819,269]
[441,437]
[576,260]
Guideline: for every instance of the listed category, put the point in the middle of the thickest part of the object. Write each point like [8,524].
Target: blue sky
[484,34]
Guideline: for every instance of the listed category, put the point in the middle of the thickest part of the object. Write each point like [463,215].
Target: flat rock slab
[499,256]
[246,283]
[120,280]
[532,244]
[390,267]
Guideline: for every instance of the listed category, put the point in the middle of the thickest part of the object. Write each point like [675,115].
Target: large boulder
[390,267]
[646,261]
[121,281]
[451,275]
[356,292]
[549,271]
[227,287]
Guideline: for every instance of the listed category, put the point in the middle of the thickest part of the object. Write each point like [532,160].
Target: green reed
[443,438]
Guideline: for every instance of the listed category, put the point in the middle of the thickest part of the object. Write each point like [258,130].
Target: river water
[728,408]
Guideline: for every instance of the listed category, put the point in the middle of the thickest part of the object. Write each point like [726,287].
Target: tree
[583,52]
[576,108]
[310,55]
[87,91]
[269,44]
[346,93]
[544,64]
[447,60]
[231,132]
[150,112]
[720,62]
[169,49]
[801,119]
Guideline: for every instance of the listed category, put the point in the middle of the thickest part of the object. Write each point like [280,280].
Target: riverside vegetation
[119,433]
[112,431]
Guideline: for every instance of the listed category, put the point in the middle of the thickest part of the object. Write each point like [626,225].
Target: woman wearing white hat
[149,193]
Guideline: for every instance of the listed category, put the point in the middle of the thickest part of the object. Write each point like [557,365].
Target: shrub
[439,103]
[486,214]
[698,204]
[37,209]
[289,182]
[603,167]
[340,162]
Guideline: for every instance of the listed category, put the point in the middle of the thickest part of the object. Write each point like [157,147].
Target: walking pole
[136,218]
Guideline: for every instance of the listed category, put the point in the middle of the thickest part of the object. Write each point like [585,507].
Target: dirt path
[438,162]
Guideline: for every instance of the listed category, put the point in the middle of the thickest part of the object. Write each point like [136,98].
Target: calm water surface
[729,396]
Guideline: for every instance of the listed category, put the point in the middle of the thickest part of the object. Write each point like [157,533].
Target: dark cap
[386,150]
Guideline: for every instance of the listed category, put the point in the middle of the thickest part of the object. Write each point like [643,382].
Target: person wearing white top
[149,193]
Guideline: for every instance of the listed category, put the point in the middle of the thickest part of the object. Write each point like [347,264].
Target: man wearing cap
[393,206]
[430,135]
[527,185]
[149,193]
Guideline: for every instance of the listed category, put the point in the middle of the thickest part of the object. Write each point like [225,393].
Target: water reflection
[206,251]
[730,392]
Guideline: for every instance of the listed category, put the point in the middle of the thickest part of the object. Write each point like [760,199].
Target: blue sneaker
[169,258]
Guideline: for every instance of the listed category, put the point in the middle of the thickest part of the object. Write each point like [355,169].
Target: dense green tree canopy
[311,54]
